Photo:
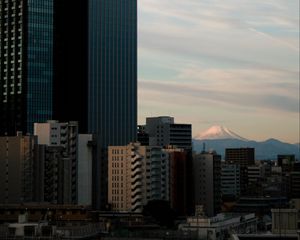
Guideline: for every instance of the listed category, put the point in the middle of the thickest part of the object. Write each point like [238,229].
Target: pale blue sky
[228,62]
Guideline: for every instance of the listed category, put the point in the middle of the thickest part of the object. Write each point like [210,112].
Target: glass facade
[12,64]
[26,64]
[112,112]
[39,61]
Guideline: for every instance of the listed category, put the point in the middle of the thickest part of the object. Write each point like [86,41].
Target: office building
[207,182]
[244,157]
[112,73]
[295,184]
[56,187]
[285,161]
[26,64]
[112,82]
[64,135]
[17,164]
[230,181]
[44,63]
[181,180]
[136,175]
[256,174]
[142,136]
[241,156]
[70,59]
[163,131]
[257,180]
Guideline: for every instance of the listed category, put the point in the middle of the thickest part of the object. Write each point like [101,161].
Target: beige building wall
[16,169]
[136,175]
[119,177]
[284,221]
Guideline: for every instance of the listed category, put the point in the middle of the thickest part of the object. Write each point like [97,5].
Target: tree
[161,211]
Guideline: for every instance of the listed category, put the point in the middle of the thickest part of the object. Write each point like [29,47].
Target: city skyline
[229,64]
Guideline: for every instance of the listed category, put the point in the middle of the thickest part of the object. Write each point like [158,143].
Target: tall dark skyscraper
[26,64]
[112,112]
[70,85]
[112,75]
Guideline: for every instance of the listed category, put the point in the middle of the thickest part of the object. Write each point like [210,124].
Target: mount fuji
[218,132]
[219,138]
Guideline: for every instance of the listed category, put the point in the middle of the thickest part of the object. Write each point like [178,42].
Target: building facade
[65,136]
[244,157]
[85,167]
[26,64]
[56,176]
[181,180]
[221,227]
[70,59]
[207,182]
[136,175]
[163,131]
[112,73]
[17,164]
[230,180]
[112,82]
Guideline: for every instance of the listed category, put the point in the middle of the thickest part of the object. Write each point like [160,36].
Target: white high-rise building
[136,175]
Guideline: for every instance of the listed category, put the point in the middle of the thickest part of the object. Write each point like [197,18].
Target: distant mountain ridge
[219,138]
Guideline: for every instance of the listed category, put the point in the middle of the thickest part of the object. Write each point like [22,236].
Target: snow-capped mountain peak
[218,132]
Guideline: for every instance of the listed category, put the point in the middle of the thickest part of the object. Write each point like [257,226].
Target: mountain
[219,138]
[219,132]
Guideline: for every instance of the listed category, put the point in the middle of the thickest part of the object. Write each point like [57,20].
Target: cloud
[190,94]
[236,55]
[220,31]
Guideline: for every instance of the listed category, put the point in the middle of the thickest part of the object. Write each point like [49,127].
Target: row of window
[116,191]
[117,165]
[117,158]
[117,151]
[117,198]
[117,184]
[117,171]
[117,178]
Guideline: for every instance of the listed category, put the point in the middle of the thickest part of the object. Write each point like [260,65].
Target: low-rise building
[221,226]
[285,221]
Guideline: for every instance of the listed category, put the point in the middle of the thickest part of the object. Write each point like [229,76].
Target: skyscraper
[112,82]
[70,82]
[112,69]
[26,64]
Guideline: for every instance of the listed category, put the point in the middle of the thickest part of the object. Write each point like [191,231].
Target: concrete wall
[85,159]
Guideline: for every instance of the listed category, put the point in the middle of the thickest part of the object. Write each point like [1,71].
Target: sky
[233,63]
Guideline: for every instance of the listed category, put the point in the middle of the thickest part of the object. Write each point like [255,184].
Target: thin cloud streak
[248,100]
